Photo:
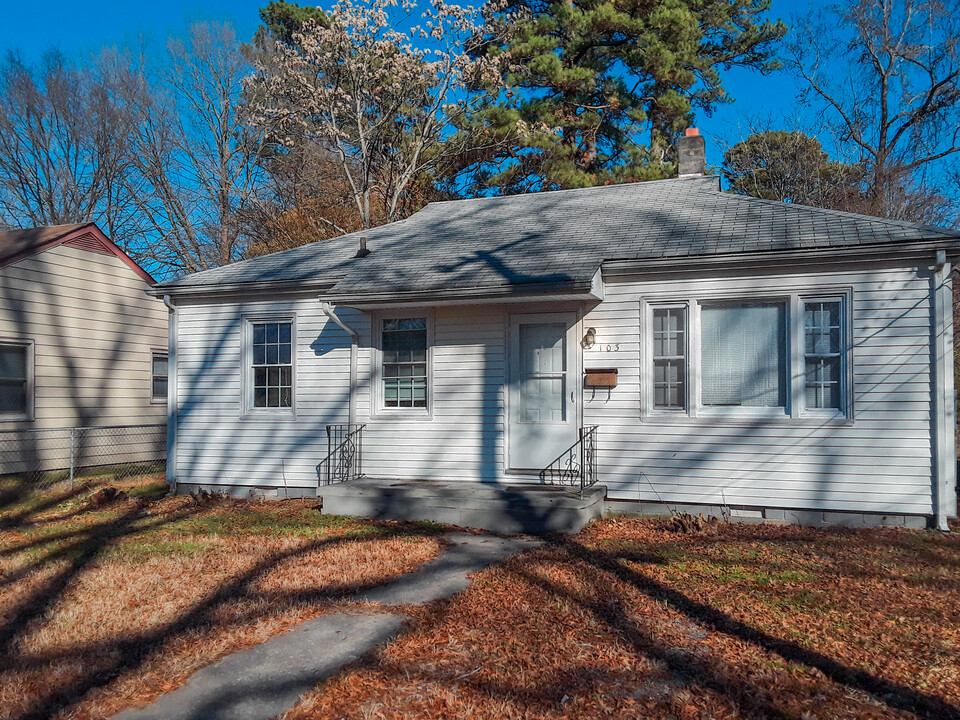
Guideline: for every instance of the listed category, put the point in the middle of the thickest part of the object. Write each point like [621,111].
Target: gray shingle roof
[557,237]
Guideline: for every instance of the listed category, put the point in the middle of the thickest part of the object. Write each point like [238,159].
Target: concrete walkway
[266,680]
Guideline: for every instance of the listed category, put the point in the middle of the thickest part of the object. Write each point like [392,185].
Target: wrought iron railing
[577,465]
[344,459]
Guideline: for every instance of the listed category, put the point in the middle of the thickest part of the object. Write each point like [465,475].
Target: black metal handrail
[577,464]
[344,459]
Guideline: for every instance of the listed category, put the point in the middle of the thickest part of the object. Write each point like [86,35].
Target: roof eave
[919,250]
[242,288]
[588,289]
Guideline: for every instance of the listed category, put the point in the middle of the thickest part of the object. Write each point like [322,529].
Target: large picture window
[272,364]
[403,343]
[779,357]
[14,381]
[744,353]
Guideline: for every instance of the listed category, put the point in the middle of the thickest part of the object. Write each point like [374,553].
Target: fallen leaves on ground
[105,606]
[630,619]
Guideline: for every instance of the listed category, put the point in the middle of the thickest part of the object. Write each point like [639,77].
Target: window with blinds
[744,354]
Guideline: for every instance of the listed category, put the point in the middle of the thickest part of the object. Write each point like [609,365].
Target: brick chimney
[691,154]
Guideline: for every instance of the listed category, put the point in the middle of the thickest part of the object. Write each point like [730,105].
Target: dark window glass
[272,365]
[158,372]
[13,379]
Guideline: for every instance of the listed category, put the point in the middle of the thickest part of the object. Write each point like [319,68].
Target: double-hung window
[158,377]
[15,381]
[670,358]
[403,344]
[823,355]
[271,364]
[777,358]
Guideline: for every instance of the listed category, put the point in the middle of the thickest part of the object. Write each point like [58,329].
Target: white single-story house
[715,351]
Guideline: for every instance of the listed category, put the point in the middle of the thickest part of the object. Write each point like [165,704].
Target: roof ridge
[541,193]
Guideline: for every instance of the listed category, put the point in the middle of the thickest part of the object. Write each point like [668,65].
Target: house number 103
[615,347]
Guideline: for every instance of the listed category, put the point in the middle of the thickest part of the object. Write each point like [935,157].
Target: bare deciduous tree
[192,151]
[384,108]
[886,76]
[63,149]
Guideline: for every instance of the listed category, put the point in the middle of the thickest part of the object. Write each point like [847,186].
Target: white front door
[543,388]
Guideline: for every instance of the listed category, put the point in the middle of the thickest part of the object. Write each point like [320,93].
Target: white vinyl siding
[878,458]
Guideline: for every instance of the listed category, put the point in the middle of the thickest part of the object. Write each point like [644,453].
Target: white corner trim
[943,392]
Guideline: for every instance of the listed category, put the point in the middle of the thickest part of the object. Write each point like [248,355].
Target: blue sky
[83,27]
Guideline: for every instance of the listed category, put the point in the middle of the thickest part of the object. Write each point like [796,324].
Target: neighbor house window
[823,355]
[744,354]
[158,377]
[272,364]
[404,346]
[670,358]
[14,380]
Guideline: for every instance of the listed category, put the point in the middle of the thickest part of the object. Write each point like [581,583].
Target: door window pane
[272,368]
[669,358]
[744,354]
[13,380]
[404,348]
[543,372]
[823,354]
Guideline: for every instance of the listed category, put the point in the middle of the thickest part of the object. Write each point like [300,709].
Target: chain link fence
[45,457]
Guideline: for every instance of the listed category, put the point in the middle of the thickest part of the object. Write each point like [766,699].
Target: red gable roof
[17,244]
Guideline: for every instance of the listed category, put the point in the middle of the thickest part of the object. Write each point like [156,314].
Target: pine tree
[600,89]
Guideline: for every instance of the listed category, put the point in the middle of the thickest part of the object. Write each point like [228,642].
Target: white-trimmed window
[158,376]
[16,380]
[823,358]
[777,357]
[270,371]
[744,354]
[404,371]
[669,358]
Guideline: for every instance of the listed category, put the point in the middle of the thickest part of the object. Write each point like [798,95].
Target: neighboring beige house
[81,343]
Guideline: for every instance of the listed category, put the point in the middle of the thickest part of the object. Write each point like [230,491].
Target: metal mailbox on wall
[600,377]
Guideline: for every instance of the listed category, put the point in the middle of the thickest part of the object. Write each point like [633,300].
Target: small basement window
[404,347]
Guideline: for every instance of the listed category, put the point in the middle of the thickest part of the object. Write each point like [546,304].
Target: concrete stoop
[506,509]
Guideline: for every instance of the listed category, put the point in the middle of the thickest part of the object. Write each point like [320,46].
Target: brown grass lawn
[103,608]
[631,620]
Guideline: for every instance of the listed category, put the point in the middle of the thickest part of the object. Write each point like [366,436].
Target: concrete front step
[506,509]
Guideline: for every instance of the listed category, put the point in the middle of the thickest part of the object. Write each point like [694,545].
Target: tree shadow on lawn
[889,693]
[685,668]
[84,547]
